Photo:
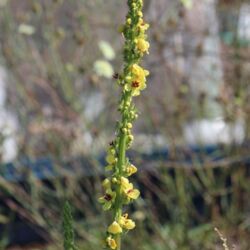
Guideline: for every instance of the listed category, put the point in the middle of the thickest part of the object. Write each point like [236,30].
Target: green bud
[124,130]
[129,125]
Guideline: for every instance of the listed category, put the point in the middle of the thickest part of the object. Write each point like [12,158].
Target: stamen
[135,84]
[107,197]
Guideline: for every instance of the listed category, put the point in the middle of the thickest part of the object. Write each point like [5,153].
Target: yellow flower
[142,25]
[111,242]
[128,189]
[131,169]
[108,199]
[133,193]
[110,159]
[115,228]
[142,45]
[126,223]
[139,74]
[135,87]
[138,80]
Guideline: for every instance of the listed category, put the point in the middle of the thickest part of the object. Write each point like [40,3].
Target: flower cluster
[118,190]
[127,194]
[116,228]
[136,81]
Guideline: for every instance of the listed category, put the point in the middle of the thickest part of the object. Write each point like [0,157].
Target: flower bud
[124,130]
[131,137]
[129,21]
[129,125]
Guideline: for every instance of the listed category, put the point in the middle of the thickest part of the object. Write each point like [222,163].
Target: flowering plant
[119,191]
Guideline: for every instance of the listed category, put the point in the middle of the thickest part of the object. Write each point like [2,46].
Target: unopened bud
[124,130]
[129,125]
[131,137]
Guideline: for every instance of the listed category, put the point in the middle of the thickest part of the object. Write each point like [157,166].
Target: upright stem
[119,190]
[122,143]
[121,162]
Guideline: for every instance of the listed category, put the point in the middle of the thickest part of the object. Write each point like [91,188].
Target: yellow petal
[133,193]
[122,221]
[143,45]
[136,92]
[143,26]
[110,159]
[111,243]
[131,170]
[125,182]
[129,224]
[115,228]
[126,223]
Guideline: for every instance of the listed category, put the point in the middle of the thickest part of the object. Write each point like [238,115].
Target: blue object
[46,168]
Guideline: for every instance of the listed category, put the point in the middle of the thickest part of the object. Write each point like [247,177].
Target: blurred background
[58,112]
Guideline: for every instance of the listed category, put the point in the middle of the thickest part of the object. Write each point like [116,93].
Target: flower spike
[118,190]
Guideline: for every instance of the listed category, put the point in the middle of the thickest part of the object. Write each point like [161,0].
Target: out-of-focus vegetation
[60,57]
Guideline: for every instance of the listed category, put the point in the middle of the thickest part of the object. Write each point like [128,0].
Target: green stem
[122,153]
[132,77]
[118,207]
[118,242]
[121,162]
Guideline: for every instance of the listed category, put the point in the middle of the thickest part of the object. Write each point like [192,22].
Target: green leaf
[68,231]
